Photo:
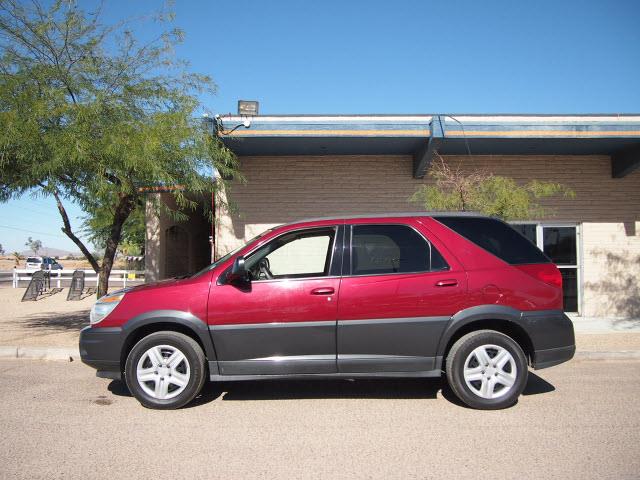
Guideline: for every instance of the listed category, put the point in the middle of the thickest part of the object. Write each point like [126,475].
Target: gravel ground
[578,420]
[50,321]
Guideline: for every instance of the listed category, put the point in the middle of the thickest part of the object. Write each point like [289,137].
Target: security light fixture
[248,108]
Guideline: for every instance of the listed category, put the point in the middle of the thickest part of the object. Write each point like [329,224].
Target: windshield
[230,254]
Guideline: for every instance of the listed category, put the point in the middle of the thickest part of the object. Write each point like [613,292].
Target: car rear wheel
[487,370]
[165,370]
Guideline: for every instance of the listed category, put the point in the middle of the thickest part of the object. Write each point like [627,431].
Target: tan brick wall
[284,189]
[611,269]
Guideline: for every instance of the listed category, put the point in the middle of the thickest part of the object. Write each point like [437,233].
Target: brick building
[310,166]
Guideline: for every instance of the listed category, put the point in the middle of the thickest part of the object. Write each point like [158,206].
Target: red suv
[405,295]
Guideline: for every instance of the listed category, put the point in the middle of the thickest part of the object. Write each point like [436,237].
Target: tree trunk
[124,208]
[69,233]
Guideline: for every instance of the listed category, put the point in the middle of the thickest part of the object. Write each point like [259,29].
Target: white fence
[58,276]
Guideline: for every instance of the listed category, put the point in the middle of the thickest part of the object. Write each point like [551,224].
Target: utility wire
[31,231]
[37,212]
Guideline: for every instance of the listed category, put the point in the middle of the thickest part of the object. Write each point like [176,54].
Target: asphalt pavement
[577,420]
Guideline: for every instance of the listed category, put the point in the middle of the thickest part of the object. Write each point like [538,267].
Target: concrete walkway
[605,325]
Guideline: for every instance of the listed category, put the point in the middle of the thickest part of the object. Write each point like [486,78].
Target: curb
[40,353]
[619,355]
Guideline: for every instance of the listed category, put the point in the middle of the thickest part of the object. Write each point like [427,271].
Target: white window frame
[540,225]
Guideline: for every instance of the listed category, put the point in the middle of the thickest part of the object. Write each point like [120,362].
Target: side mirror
[238,274]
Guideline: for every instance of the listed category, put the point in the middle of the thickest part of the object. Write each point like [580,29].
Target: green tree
[96,229]
[17,257]
[34,245]
[1,250]
[89,114]
[455,189]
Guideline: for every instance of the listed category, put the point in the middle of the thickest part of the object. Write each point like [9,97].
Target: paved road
[579,420]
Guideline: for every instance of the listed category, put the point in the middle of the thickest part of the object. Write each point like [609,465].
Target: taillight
[545,272]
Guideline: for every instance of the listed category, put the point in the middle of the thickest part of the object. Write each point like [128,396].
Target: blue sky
[392,57]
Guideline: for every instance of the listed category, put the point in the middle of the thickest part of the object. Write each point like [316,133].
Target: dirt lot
[578,420]
[7,263]
[50,321]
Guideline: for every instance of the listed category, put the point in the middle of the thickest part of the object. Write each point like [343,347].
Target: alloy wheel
[490,371]
[163,372]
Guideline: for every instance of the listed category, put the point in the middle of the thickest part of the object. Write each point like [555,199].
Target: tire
[483,387]
[167,385]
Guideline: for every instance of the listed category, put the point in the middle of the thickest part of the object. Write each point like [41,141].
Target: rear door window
[496,237]
[384,249]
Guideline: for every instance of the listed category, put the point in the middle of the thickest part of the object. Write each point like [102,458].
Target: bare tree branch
[69,233]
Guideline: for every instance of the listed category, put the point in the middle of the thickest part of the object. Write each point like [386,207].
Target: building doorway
[187,246]
[177,258]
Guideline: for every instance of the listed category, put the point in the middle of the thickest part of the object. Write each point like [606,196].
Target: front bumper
[100,348]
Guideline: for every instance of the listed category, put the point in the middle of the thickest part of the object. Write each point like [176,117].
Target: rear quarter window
[497,238]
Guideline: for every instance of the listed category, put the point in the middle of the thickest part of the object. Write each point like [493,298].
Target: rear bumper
[100,348]
[552,336]
[552,356]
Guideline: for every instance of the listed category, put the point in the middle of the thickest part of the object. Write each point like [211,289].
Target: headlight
[104,306]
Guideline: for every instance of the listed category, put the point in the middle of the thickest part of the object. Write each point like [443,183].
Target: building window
[560,243]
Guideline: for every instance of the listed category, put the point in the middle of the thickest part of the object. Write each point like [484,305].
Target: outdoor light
[104,306]
[249,108]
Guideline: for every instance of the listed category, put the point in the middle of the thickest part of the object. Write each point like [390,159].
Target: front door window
[300,254]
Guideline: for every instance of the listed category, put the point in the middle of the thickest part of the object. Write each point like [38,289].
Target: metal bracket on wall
[423,157]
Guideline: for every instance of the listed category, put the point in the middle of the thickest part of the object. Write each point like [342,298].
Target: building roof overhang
[422,135]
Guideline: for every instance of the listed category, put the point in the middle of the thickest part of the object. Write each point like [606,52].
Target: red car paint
[475,277]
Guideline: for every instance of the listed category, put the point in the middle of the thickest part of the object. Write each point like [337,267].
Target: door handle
[447,283]
[323,291]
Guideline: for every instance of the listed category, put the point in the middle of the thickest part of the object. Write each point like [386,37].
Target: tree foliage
[90,114]
[455,189]
[97,226]
[34,245]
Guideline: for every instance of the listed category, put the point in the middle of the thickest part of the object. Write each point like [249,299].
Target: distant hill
[48,252]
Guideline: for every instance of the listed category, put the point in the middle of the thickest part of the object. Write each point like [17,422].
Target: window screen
[382,249]
[496,237]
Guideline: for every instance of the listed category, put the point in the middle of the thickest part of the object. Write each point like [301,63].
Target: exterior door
[285,321]
[397,294]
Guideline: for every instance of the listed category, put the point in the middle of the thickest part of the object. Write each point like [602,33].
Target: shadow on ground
[56,322]
[409,388]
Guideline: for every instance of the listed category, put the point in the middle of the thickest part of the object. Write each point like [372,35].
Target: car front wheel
[165,370]
[487,370]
